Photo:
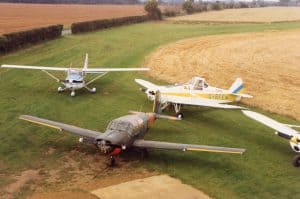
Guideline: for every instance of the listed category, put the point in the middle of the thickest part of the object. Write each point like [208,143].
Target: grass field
[265,171]
[16,17]
[267,14]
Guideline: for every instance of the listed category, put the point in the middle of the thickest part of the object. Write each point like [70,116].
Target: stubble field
[267,14]
[16,17]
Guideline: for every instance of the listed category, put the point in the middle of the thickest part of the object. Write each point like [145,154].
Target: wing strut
[97,77]
[56,79]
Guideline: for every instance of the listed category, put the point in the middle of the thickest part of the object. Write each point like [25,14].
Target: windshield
[120,126]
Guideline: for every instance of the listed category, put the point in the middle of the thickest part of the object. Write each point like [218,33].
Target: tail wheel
[296,161]
[179,115]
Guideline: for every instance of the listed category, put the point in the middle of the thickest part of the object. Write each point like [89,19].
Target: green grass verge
[265,170]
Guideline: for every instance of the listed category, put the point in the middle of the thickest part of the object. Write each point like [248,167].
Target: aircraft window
[198,85]
[205,85]
[119,125]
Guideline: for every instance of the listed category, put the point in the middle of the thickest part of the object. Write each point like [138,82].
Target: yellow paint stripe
[212,96]
[216,151]
[43,124]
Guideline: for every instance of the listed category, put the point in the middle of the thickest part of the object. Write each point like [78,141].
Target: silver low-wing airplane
[127,132]
[75,77]
[282,130]
[196,92]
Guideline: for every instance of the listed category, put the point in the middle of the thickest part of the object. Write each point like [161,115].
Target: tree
[153,10]
[188,7]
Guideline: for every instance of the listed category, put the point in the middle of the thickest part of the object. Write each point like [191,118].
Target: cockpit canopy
[198,83]
[123,126]
[75,76]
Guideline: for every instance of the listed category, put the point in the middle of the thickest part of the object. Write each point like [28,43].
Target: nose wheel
[73,94]
[112,161]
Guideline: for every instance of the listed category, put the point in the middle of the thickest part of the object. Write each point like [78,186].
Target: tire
[296,161]
[112,162]
[179,115]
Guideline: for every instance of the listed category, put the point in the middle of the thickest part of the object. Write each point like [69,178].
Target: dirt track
[268,14]
[16,17]
[269,64]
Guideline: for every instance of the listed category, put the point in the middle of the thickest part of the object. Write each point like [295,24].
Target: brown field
[267,62]
[268,14]
[16,17]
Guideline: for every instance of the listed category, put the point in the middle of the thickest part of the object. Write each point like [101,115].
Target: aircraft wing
[103,70]
[60,126]
[196,102]
[279,127]
[185,147]
[35,67]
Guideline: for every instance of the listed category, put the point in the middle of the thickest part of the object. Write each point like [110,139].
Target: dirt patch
[268,14]
[162,186]
[20,181]
[16,17]
[76,174]
[267,62]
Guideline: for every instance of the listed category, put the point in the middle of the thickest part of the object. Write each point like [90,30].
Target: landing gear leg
[177,108]
[92,90]
[112,161]
[296,161]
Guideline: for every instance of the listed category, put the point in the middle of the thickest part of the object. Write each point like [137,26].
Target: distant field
[16,17]
[268,63]
[269,14]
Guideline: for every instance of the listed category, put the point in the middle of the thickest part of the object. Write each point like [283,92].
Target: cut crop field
[16,17]
[267,14]
[44,163]
[267,62]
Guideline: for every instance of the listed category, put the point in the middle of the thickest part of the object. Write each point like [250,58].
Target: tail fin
[85,66]
[237,86]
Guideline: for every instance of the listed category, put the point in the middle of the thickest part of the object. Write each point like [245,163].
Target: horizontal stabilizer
[146,84]
[186,147]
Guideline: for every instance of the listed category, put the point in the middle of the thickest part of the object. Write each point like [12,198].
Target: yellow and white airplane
[195,93]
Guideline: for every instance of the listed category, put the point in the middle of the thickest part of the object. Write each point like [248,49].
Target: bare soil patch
[17,17]
[268,14]
[268,63]
[73,175]
[161,186]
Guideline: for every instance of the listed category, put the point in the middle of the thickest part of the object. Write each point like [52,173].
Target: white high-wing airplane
[75,77]
[196,93]
[282,130]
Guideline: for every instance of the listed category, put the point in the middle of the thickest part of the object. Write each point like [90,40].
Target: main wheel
[296,161]
[94,90]
[179,115]
[73,94]
[60,89]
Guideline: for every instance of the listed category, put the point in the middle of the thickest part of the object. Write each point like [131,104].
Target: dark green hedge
[13,41]
[88,26]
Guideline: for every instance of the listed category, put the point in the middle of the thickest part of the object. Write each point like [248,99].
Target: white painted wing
[35,67]
[279,127]
[146,84]
[102,70]
[196,102]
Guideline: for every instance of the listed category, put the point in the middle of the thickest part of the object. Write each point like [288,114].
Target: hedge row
[13,41]
[88,26]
